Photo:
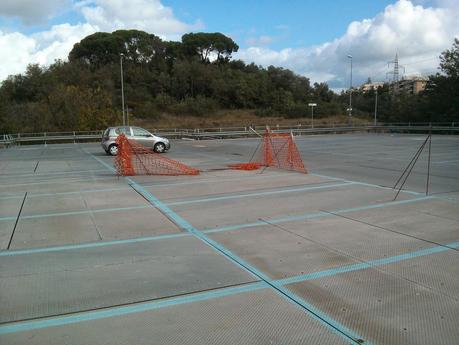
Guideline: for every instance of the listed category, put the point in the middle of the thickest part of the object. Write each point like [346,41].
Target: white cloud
[417,33]
[147,15]
[18,50]
[29,11]
[259,41]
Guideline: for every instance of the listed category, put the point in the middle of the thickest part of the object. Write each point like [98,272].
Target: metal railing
[234,132]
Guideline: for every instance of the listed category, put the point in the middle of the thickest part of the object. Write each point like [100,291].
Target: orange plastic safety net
[135,159]
[276,150]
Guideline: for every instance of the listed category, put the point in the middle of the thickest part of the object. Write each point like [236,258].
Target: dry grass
[238,118]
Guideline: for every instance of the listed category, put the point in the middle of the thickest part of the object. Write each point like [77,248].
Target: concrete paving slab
[260,317]
[113,199]
[159,269]
[438,272]
[228,184]
[219,213]
[133,223]
[57,204]
[61,184]
[384,309]
[280,254]
[10,207]
[13,166]
[6,229]
[360,241]
[51,231]
[427,220]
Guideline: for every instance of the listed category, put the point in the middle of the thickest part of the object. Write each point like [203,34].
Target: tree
[449,61]
[203,45]
[440,101]
[104,48]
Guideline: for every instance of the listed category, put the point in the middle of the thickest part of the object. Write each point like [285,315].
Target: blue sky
[291,23]
[312,38]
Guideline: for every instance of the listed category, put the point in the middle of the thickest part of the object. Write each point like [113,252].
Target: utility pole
[350,92]
[376,105]
[122,88]
[395,73]
[312,105]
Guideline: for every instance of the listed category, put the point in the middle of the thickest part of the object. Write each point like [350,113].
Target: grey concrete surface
[385,309]
[86,244]
[258,318]
[92,279]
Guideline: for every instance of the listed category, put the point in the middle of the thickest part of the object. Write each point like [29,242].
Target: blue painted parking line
[364,183]
[239,196]
[267,282]
[313,312]
[162,185]
[306,216]
[126,310]
[369,264]
[52,173]
[185,202]
[406,191]
[73,213]
[90,245]
[207,295]
[277,220]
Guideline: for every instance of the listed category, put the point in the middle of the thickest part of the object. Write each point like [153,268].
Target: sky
[312,38]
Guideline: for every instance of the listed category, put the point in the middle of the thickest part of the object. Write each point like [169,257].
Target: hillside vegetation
[170,84]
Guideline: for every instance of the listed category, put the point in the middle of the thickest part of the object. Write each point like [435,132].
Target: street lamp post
[350,92]
[376,105]
[312,105]
[122,87]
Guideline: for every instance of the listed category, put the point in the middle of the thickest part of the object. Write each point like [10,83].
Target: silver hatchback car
[140,135]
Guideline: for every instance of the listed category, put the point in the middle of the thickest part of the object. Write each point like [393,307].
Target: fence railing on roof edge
[233,132]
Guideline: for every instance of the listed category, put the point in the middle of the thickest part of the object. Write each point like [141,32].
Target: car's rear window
[124,130]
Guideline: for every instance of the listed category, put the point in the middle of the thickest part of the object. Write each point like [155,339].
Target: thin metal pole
[122,87]
[350,93]
[409,172]
[312,117]
[416,155]
[428,165]
[376,105]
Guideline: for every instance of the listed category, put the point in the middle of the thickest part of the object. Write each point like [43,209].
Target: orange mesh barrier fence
[135,159]
[245,166]
[276,150]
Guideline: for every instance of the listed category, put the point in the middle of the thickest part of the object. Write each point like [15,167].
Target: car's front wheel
[113,150]
[160,147]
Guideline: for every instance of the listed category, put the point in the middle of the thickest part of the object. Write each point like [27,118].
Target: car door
[142,136]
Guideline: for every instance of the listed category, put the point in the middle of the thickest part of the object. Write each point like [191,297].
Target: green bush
[196,106]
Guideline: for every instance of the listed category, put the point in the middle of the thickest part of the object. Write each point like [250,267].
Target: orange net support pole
[123,160]
[135,159]
[268,149]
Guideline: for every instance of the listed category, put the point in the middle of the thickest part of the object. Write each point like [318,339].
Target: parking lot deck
[232,257]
